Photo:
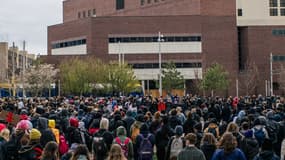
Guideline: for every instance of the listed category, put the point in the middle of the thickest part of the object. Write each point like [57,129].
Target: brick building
[196,33]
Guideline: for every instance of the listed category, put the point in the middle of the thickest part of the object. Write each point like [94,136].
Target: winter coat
[73,136]
[191,153]
[250,147]
[51,125]
[188,126]
[130,146]
[129,120]
[174,121]
[161,106]
[236,154]
[154,126]
[108,139]
[31,152]
[47,134]
[208,150]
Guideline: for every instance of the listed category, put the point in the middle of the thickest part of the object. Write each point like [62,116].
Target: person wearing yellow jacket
[51,125]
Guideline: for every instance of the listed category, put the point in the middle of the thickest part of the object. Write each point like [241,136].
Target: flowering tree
[38,77]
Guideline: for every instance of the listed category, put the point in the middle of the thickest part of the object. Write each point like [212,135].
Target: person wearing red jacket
[161,105]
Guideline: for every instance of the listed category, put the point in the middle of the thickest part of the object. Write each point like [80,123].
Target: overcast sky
[28,20]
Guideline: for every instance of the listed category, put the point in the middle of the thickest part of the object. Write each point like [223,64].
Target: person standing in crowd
[81,153]
[190,152]
[144,143]
[208,145]
[234,129]
[47,134]
[259,131]
[116,153]
[73,133]
[161,105]
[282,154]
[213,128]
[189,124]
[102,140]
[50,151]
[176,143]
[124,142]
[249,144]
[155,124]
[227,149]
[266,152]
[162,137]
[180,115]
[51,125]
[129,120]
[33,150]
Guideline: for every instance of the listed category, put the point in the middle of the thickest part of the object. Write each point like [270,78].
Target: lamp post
[160,39]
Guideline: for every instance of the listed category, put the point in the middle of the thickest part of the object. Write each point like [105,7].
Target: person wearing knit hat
[123,140]
[2,126]
[73,133]
[176,143]
[33,150]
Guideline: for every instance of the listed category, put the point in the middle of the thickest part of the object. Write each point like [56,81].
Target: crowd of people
[144,128]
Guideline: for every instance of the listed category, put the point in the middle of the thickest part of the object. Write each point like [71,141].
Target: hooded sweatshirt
[47,134]
[51,125]
[122,138]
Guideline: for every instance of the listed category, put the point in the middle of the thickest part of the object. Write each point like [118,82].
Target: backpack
[259,135]
[38,152]
[75,136]
[176,146]
[124,145]
[63,146]
[99,145]
[146,149]
[11,150]
[273,130]
[213,131]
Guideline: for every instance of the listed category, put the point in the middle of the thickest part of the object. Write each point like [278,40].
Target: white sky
[28,20]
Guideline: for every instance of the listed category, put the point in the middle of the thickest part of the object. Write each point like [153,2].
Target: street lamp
[159,40]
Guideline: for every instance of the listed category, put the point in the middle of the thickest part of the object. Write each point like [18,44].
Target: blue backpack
[146,149]
[259,135]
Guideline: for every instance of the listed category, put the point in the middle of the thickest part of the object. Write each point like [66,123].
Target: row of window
[155,39]
[277,6]
[87,13]
[156,65]
[278,32]
[143,2]
[68,43]
[120,4]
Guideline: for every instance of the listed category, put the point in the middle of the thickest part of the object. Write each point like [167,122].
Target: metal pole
[159,54]
[119,53]
[58,87]
[266,92]
[13,71]
[237,87]
[271,76]
[24,68]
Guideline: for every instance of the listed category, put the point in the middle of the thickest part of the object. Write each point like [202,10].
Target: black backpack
[272,129]
[10,150]
[213,131]
[99,145]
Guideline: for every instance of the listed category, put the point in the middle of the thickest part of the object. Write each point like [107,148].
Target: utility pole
[13,70]
[271,76]
[160,39]
[24,67]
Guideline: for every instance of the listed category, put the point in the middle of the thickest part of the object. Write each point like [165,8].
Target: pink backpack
[63,146]
[124,145]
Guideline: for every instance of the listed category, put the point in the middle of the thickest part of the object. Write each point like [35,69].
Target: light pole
[160,39]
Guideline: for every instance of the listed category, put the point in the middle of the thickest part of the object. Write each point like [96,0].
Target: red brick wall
[132,8]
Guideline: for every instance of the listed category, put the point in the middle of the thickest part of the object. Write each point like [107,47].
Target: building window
[273,3]
[148,1]
[94,11]
[89,13]
[83,14]
[120,4]
[79,15]
[278,32]
[154,39]
[239,12]
[68,44]
[273,12]
[282,3]
[142,2]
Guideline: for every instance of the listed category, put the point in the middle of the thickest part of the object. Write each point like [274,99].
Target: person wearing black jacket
[73,133]
[47,134]
[144,131]
[178,135]
[208,145]
[173,119]
[129,120]
[189,124]
[107,137]
[162,137]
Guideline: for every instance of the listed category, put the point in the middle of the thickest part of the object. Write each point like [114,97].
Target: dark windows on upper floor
[154,39]
[278,32]
[68,43]
[87,13]
[239,12]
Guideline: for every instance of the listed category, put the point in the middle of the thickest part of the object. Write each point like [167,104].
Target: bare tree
[281,79]
[39,77]
[249,78]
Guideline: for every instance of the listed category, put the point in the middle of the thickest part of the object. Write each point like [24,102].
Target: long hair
[228,142]
[80,150]
[233,128]
[50,151]
[208,138]
[116,153]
